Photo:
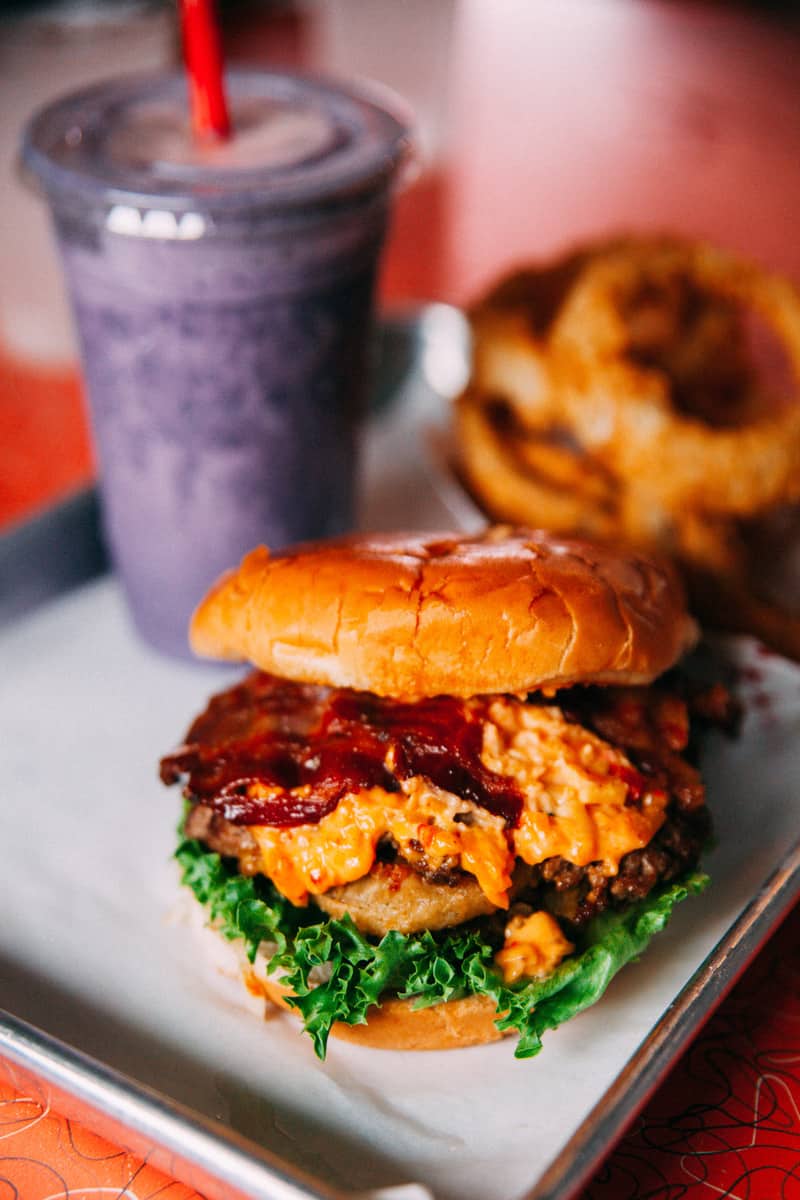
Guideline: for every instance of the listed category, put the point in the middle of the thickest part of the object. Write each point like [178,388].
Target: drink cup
[222,295]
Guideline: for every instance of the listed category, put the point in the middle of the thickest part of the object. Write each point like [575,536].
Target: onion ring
[512,326]
[621,410]
[614,394]
[512,323]
[558,490]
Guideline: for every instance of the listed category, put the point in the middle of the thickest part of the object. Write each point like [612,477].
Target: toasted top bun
[413,615]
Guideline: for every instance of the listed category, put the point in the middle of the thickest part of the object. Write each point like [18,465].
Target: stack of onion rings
[515,472]
[613,394]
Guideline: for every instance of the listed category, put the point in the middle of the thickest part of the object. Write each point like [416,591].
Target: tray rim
[188,1145]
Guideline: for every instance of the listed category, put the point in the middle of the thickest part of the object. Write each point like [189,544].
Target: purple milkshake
[222,296]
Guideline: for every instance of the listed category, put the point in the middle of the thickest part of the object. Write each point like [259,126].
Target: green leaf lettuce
[337,973]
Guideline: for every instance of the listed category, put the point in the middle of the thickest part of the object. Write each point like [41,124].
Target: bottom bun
[397,1025]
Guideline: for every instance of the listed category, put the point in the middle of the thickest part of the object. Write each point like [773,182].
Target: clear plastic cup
[222,296]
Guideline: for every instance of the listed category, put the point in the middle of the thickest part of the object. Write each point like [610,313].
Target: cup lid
[298,141]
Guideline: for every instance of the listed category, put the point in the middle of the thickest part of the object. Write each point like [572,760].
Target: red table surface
[543,124]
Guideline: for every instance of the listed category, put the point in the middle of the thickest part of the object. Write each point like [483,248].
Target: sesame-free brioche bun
[412,615]
[397,1025]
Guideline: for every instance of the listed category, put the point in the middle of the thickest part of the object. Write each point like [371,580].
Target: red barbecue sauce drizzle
[334,742]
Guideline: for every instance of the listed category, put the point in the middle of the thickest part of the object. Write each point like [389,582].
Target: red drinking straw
[201,49]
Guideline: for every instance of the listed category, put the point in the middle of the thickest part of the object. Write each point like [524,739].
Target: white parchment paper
[96,947]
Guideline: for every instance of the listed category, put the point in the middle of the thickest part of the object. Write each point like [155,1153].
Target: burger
[457,793]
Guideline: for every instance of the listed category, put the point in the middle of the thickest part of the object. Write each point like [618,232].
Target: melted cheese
[574,806]
[574,803]
[420,819]
[533,948]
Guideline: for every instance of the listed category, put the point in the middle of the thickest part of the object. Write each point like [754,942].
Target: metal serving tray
[138,1045]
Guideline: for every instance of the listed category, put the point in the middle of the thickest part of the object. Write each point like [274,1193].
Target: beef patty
[396,895]
[651,725]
